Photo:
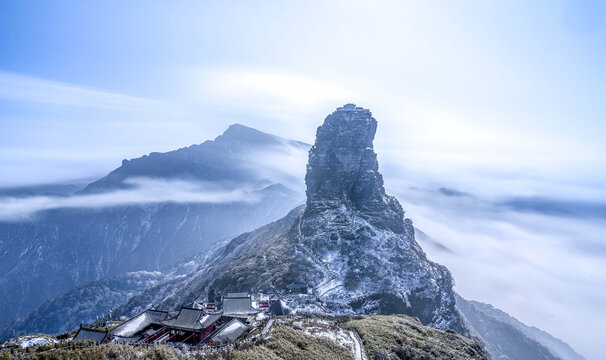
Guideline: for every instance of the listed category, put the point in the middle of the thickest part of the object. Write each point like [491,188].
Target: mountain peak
[342,163]
[242,133]
[236,128]
[351,108]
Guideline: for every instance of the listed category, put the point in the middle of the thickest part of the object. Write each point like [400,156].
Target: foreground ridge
[283,337]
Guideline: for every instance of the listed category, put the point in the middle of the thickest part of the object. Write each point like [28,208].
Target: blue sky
[520,79]
[500,99]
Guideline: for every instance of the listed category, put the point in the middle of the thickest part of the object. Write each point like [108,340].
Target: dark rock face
[343,168]
[342,162]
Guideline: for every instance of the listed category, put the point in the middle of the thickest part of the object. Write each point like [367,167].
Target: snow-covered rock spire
[357,236]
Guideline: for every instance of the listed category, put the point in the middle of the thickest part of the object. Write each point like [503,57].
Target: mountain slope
[401,337]
[351,244]
[185,290]
[83,304]
[507,338]
[62,248]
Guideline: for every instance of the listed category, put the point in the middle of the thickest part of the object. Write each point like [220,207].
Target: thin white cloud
[288,104]
[286,166]
[294,89]
[21,88]
[143,191]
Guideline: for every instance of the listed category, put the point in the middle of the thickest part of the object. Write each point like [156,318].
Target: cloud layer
[542,260]
[140,191]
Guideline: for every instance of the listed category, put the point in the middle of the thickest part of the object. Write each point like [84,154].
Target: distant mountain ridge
[506,338]
[227,158]
[62,248]
[40,190]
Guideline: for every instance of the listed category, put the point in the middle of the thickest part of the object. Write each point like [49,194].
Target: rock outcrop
[370,260]
[343,168]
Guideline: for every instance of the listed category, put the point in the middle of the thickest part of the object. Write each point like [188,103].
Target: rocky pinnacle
[343,167]
[365,250]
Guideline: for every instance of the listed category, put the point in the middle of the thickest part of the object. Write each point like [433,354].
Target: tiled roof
[237,306]
[209,319]
[237,295]
[188,319]
[277,308]
[138,323]
[157,316]
[90,334]
[229,332]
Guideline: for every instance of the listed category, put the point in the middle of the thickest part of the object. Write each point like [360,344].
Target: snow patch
[129,328]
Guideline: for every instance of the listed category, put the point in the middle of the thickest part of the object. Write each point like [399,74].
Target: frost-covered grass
[115,351]
[330,330]
[272,262]
[402,337]
[28,341]
[102,352]
[289,343]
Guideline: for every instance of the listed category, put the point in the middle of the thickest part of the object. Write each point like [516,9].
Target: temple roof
[192,319]
[89,334]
